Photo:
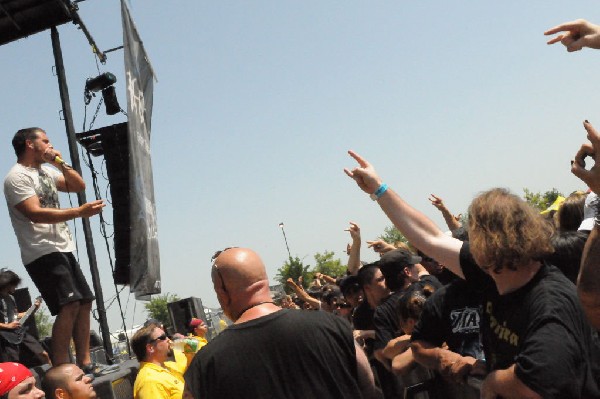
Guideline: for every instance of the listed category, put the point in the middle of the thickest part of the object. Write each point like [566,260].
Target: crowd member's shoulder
[551,294]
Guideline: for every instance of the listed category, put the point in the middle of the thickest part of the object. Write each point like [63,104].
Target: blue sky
[257,103]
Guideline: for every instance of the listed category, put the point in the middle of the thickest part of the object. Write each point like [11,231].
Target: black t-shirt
[362,319]
[445,276]
[541,328]
[286,354]
[386,318]
[452,315]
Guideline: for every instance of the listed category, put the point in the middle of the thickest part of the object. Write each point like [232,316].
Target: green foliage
[539,200]
[157,308]
[329,266]
[392,235]
[293,268]
[43,323]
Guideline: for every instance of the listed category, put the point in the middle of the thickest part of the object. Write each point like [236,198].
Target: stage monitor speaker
[116,153]
[182,311]
[116,385]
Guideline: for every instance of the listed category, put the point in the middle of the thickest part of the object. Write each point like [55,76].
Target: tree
[392,235]
[327,265]
[157,308]
[293,268]
[541,201]
[43,323]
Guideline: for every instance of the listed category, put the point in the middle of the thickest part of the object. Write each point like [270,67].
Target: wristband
[379,192]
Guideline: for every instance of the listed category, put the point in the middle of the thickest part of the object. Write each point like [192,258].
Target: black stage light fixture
[110,100]
[100,82]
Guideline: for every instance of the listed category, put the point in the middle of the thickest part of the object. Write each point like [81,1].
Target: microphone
[60,161]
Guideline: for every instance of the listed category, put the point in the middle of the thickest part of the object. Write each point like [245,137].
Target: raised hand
[437,202]
[354,231]
[590,177]
[576,35]
[364,175]
[380,246]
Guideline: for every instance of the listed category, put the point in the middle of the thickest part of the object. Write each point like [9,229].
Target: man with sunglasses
[156,378]
[271,352]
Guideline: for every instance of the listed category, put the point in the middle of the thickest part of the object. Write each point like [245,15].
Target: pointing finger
[593,135]
[567,26]
[361,161]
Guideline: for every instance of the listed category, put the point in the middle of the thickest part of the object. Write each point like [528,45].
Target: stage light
[110,101]
[100,82]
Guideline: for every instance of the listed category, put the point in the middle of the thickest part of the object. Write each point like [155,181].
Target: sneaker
[91,370]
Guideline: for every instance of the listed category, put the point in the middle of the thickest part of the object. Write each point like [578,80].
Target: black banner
[145,259]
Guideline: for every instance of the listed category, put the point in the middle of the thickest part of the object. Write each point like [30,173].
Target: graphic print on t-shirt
[465,320]
[48,196]
[47,192]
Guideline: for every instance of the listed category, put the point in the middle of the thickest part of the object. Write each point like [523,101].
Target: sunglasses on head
[217,253]
[214,265]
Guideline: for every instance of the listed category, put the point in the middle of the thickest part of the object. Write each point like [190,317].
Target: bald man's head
[240,281]
[237,269]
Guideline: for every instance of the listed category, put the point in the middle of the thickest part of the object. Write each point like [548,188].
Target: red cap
[11,375]
[196,322]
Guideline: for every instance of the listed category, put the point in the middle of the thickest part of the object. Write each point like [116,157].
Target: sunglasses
[159,338]
[216,269]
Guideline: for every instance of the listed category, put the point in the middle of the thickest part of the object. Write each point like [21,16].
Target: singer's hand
[91,208]
[51,155]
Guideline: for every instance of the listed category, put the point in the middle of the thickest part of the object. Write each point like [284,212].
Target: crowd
[504,305]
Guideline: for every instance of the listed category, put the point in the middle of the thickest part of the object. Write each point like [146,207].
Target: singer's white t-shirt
[35,239]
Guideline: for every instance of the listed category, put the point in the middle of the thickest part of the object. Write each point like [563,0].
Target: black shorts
[59,279]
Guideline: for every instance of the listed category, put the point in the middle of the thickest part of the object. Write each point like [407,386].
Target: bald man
[271,352]
[67,381]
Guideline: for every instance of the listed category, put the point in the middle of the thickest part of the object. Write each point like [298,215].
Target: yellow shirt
[156,382]
[180,364]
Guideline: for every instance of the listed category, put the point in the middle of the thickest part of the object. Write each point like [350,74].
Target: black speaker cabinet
[116,154]
[182,311]
[117,384]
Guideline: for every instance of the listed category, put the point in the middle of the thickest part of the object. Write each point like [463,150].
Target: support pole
[87,231]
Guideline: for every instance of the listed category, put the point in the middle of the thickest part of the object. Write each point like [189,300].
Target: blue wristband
[379,192]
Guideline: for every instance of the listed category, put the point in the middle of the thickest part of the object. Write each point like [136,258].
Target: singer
[31,191]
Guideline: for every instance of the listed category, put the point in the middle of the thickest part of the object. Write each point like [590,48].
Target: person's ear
[60,393]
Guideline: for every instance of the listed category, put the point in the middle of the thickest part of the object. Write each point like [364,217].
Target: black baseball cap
[396,260]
